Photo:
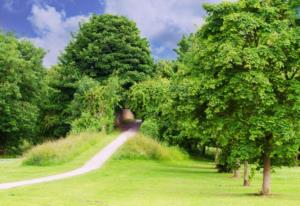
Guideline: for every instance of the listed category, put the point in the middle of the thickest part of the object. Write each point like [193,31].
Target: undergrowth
[145,148]
[61,151]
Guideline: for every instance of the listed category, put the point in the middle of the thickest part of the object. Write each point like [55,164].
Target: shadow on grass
[254,194]
[187,170]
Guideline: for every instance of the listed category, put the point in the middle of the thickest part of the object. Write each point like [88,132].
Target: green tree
[146,98]
[183,47]
[62,85]
[246,57]
[94,105]
[107,45]
[21,91]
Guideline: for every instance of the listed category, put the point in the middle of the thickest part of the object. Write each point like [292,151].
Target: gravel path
[93,164]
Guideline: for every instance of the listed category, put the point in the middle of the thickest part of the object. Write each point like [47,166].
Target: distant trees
[61,86]
[109,50]
[21,92]
[107,45]
[94,105]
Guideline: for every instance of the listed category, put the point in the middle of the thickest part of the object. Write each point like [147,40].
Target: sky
[49,23]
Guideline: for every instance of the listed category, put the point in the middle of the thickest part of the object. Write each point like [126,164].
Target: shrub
[60,151]
[93,107]
[150,128]
[145,148]
[86,123]
[146,99]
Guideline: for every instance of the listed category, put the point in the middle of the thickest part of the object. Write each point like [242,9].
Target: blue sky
[48,23]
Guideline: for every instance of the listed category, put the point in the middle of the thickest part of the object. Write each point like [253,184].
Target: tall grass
[145,148]
[61,151]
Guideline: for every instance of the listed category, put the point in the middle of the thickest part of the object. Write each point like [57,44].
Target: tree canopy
[246,57]
[107,45]
[21,91]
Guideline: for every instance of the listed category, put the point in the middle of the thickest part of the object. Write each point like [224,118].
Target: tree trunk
[203,150]
[217,156]
[236,173]
[266,187]
[246,174]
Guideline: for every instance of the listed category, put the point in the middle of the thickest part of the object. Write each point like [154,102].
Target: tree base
[246,183]
[265,194]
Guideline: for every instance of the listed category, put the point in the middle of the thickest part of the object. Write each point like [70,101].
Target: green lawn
[12,169]
[147,183]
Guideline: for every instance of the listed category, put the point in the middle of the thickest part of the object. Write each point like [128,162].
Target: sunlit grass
[61,151]
[142,147]
[123,182]
[14,169]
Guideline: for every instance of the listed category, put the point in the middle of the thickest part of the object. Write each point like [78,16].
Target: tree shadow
[187,170]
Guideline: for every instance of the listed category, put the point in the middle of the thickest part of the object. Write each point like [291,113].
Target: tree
[146,98]
[107,45]
[183,47]
[94,105]
[21,91]
[61,87]
[247,58]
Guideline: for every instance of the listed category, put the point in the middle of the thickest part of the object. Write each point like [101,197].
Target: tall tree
[21,91]
[107,45]
[246,57]
[62,85]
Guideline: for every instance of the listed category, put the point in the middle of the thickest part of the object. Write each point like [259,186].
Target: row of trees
[235,85]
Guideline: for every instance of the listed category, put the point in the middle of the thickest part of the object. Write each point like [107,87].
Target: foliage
[246,61]
[150,128]
[165,69]
[250,75]
[94,105]
[182,114]
[61,151]
[183,47]
[145,99]
[62,84]
[21,91]
[145,148]
[107,45]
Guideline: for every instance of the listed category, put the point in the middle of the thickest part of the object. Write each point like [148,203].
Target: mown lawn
[151,183]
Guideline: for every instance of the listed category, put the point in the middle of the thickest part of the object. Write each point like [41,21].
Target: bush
[60,151]
[93,107]
[150,128]
[86,123]
[145,148]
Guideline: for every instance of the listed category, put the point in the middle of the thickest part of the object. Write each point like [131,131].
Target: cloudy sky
[48,23]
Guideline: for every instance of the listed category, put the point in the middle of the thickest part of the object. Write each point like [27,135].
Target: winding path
[93,164]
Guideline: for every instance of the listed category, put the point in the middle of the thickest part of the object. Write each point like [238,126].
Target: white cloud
[154,16]
[163,22]
[53,30]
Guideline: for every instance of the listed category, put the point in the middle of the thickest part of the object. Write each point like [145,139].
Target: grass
[145,148]
[129,182]
[14,169]
[61,151]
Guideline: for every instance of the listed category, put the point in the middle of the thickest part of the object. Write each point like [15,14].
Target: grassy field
[146,183]
[13,169]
